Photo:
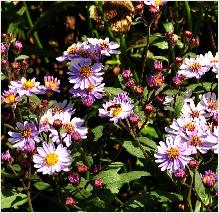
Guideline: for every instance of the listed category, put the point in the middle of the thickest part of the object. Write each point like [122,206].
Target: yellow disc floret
[51,159]
[173,153]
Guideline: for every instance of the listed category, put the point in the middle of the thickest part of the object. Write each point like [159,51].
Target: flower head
[209,178]
[18,46]
[11,97]
[155,81]
[27,134]
[6,156]
[213,137]
[51,84]
[173,154]
[50,159]
[82,74]
[74,178]
[118,108]
[213,61]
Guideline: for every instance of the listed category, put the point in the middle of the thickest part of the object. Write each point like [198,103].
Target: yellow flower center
[10,99]
[213,105]
[56,110]
[195,141]
[86,72]
[90,88]
[68,127]
[72,49]
[27,85]
[51,84]
[51,159]
[26,133]
[173,153]
[116,111]
[103,45]
[209,179]
[190,126]
[195,113]
[158,2]
[194,67]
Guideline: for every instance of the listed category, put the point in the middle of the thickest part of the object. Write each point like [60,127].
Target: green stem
[188,14]
[100,9]
[30,206]
[35,34]
[188,197]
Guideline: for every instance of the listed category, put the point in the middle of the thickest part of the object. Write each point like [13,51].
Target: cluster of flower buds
[171,39]
[139,7]
[188,38]
[6,157]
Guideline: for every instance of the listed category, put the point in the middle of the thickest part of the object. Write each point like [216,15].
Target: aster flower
[18,46]
[44,124]
[155,3]
[194,67]
[107,48]
[70,127]
[82,74]
[50,159]
[59,107]
[11,97]
[6,156]
[51,84]
[213,137]
[213,61]
[189,109]
[155,81]
[209,178]
[209,102]
[173,154]
[27,134]
[197,141]
[118,108]
[26,87]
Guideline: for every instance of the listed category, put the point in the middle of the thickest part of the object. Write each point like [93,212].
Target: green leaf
[161,45]
[16,167]
[178,105]
[21,11]
[114,181]
[112,91]
[147,142]
[162,58]
[35,99]
[200,189]
[130,148]
[42,186]
[8,175]
[3,77]
[98,132]
[168,26]
[29,70]
[167,196]
[149,131]
[22,57]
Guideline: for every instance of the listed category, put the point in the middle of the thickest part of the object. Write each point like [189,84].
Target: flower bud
[74,178]
[153,9]
[98,183]
[24,64]
[157,66]
[82,168]
[6,157]
[3,48]
[187,34]
[130,84]
[179,174]
[95,169]
[18,46]
[76,136]
[88,100]
[215,118]
[194,42]
[173,41]
[4,63]
[126,74]
[69,201]
[209,178]
[169,35]
[193,164]
[16,66]
[44,103]
[178,80]
[139,91]
[139,7]
[134,118]
[57,123]
[160,98]
[178,60]
[155,81]
[148,109]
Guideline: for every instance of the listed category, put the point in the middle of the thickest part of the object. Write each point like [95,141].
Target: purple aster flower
[118,108]
[51,84]
[197,140]
[82,74]
[59,107]
[107,47]
[194,67]
[11,97]
[44,124]
[178,80]
[50,159]
[74,178]
[173,154]
[26,87]
[94,52]
[210,103]
[6,156]
[157,66]
[27,134]
[209,178]
[28,147]
[155,81]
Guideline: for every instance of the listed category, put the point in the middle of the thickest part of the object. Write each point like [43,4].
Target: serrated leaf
[42,186]
[22,57]
[178,105]
[98,132]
